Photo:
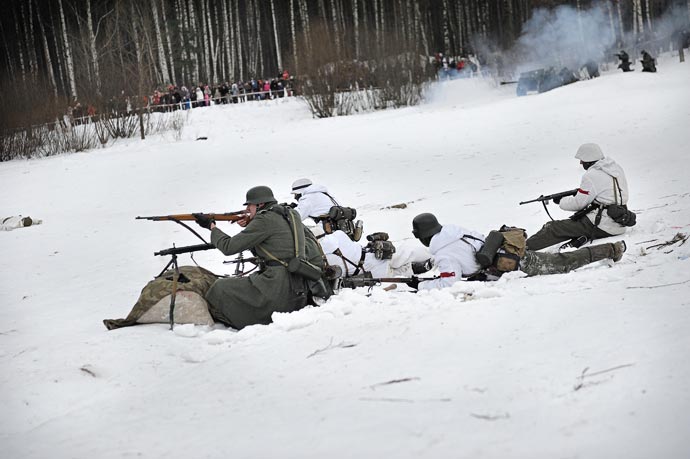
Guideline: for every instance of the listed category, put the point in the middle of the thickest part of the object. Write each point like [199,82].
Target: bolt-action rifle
[179,218]
[549,197]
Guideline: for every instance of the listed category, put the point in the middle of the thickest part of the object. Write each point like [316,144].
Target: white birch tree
[164,73]
[276,36]
[92,48]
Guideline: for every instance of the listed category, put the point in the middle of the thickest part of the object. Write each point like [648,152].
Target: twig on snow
[87,370]
[679,237]
[393,381]
[490,417]
[342,344]
[662,285]
[584,375]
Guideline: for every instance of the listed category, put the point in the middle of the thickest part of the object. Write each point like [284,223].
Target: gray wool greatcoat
[242,301]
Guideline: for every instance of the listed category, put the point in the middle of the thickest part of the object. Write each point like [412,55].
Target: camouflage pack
[153,305]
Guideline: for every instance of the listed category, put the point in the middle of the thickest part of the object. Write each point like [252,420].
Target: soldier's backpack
[343,218]
[503,249]
[153,305]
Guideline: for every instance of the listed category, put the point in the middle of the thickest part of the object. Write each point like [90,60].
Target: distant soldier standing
[603,183]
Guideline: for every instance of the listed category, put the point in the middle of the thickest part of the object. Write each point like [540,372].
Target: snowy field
[590,364]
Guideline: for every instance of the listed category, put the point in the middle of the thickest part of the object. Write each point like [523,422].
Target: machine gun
[545,199]
[175,251]
[368,281]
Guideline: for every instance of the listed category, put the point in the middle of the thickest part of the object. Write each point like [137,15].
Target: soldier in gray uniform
[268,233]
[454,252]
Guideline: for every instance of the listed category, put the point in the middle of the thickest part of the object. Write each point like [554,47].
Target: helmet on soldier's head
[259,194]
[589,152]
[300,184]
[425,226]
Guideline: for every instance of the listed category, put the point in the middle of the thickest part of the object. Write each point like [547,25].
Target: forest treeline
[55,52]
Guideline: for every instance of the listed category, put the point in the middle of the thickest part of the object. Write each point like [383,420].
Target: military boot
[607,251]
[618,249]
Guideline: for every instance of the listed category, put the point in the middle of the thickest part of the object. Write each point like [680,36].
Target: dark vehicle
[542,80]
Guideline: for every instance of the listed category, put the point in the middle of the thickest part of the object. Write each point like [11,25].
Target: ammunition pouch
[304,268]
[620,214]
[380,246]
[343,219]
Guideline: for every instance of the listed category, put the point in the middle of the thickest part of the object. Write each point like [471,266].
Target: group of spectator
[203,95]
[187,97]
[451,67]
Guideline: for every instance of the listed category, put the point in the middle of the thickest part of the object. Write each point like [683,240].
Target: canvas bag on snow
[153,305]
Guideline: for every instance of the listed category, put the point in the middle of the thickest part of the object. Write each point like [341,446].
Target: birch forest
[55,52]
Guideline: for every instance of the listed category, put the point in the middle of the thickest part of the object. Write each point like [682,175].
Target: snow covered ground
[590,364]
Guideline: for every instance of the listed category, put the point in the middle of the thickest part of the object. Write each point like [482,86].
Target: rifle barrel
[224,217]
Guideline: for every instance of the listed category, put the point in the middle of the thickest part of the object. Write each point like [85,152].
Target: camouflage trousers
[558,231]
[539,263]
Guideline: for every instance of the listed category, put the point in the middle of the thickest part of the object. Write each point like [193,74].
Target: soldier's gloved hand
[203,220]
[556,200]
[414,283]
[419,267]
[292,205]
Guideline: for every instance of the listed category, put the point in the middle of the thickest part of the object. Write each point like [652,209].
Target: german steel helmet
[259,194]
[425,226]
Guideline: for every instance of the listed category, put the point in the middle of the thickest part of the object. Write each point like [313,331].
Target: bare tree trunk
[294,35]
[166,31]
[259,59]
[637,17]
[238,40]
[10,65]
[195,44]
[419,23]
[135,32]
[377,26]
[275,35]
[49,61]
[620,20]
[165,74]
[211,45]
[304,15]
[180,12]
[336,32]
[226,40]
[355,16]
[446,30]
[612,24]
[251,39]
[207,48]
[19,46]
[92,47]
[461,35]
[29,37]
[649,15]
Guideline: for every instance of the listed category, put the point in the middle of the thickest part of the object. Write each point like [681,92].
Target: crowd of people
[185,97]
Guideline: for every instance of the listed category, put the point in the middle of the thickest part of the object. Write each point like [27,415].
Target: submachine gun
[175,251]
[545,199]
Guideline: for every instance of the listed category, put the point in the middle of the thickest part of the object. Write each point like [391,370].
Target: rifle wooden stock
[220,217]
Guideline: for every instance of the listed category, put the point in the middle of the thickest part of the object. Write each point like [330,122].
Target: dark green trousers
[558,231]
[539,263]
